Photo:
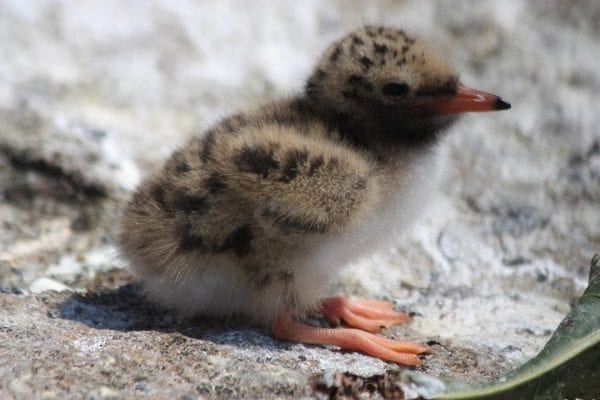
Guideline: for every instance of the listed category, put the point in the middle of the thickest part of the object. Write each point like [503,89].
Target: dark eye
[395,89]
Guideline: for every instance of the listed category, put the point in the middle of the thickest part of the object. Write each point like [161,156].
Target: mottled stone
[86,109]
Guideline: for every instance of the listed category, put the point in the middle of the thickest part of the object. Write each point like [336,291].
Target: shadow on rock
[126,309]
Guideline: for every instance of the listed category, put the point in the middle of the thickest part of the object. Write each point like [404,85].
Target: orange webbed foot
[285,328]
[367,315]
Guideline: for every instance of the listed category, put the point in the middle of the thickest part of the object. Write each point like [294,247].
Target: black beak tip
[501,104]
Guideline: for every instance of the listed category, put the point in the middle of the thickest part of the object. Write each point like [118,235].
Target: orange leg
[285,328]
[368,315]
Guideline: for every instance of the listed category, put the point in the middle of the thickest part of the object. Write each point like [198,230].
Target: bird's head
[386,81]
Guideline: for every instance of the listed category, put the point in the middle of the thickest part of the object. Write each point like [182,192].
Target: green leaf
[568,367]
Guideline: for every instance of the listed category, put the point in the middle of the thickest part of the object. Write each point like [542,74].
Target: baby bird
[259,214]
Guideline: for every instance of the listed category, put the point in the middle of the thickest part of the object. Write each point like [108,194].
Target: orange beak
[468,100]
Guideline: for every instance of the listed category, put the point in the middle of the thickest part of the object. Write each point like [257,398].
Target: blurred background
[94,94]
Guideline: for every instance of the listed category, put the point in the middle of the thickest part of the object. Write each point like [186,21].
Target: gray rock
[93,95]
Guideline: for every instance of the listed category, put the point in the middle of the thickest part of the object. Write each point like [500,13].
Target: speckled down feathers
[260,212]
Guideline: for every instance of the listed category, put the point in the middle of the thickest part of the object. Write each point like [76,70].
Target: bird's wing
[297,179]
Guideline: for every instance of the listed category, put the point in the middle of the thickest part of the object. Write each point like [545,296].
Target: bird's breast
[406,190]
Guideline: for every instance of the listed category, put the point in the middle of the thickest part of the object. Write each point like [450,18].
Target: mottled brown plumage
[258,214]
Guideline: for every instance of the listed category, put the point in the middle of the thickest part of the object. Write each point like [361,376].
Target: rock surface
[93,94]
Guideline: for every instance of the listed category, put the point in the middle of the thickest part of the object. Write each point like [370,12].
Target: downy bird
[256,216]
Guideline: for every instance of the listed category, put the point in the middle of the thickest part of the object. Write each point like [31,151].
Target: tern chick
[258,215]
